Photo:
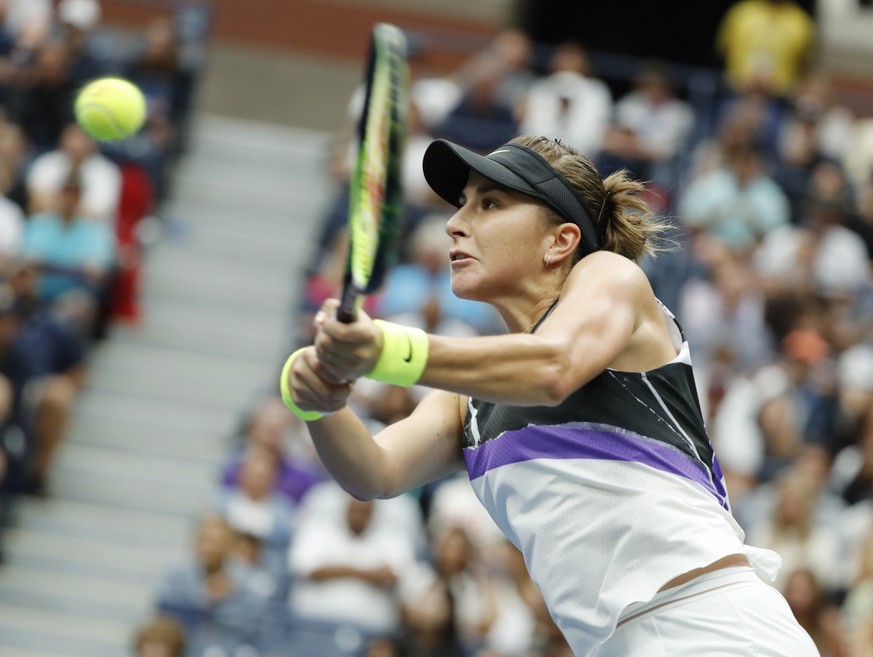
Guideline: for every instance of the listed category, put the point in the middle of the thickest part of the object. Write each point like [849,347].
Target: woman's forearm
[350,455]
[523,370]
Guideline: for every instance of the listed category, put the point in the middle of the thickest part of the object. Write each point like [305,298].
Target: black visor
[447,167]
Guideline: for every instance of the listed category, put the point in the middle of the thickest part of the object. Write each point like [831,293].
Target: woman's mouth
[458,258]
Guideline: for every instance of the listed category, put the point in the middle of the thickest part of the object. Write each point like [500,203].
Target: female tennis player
[580,428]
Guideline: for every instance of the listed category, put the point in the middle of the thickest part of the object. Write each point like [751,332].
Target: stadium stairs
[163,398]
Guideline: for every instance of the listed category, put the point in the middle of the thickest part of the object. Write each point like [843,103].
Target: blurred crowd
[768,270]
[72,212]
[769,187]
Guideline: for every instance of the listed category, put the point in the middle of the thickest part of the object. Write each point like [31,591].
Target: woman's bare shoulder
[606,267]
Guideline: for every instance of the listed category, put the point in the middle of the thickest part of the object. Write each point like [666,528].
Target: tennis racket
[376,192]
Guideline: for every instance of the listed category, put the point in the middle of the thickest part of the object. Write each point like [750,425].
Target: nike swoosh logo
[408,358]
[505,150]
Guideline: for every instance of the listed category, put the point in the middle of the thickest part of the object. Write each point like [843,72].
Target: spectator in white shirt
[349,570]
[100,176]
[650,127]
[569,103]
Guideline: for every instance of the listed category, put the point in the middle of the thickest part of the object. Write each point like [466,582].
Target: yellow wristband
[403,357]
[306,416]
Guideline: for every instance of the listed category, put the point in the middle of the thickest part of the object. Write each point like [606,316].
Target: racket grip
[348,308]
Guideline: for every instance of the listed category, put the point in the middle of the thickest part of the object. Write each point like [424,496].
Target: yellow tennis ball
[110,109]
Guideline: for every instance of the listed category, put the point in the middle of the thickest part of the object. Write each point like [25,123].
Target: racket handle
[348,308]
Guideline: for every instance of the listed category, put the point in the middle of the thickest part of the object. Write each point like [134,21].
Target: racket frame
[376,194]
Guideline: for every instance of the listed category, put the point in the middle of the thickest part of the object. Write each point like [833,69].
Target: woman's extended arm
[596,324]
[421,448]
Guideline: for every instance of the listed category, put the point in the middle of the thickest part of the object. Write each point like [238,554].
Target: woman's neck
[525,319]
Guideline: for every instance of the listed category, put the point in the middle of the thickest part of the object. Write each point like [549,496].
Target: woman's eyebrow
[486,188]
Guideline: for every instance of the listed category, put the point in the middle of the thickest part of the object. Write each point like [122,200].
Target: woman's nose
[456,225]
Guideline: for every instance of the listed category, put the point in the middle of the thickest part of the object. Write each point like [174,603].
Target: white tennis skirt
[726,613]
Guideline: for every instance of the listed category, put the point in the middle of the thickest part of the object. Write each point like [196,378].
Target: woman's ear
[566,239]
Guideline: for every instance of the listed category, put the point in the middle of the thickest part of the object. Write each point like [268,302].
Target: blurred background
[158,500]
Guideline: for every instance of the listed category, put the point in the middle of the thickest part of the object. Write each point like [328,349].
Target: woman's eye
[488,204]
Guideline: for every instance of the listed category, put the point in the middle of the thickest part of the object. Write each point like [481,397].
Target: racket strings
[377,172]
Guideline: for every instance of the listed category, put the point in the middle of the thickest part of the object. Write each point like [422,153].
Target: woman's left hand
[346,351]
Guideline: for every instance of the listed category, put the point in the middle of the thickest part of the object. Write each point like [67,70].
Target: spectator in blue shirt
[75,254]
[737,203]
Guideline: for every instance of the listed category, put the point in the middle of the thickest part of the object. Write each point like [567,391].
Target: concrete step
[95,462]
[90,595]
[142,494]
[235,294]
[137,562]
[212,387]
[28,628]
[236,244]
[231,285]
[210,331]
[249,271]
[113,478]
[225,141]
[159,414]
[252,171]
[262,187]
[145,370]
[66,517]
[10,651]
[275,245]
[170,442]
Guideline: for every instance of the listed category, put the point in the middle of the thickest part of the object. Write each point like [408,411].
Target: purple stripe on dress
[575,441]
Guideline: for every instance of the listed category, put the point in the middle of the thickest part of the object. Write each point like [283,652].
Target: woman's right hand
[345,351]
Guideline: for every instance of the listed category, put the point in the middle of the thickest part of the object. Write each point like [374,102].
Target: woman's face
[499,239]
